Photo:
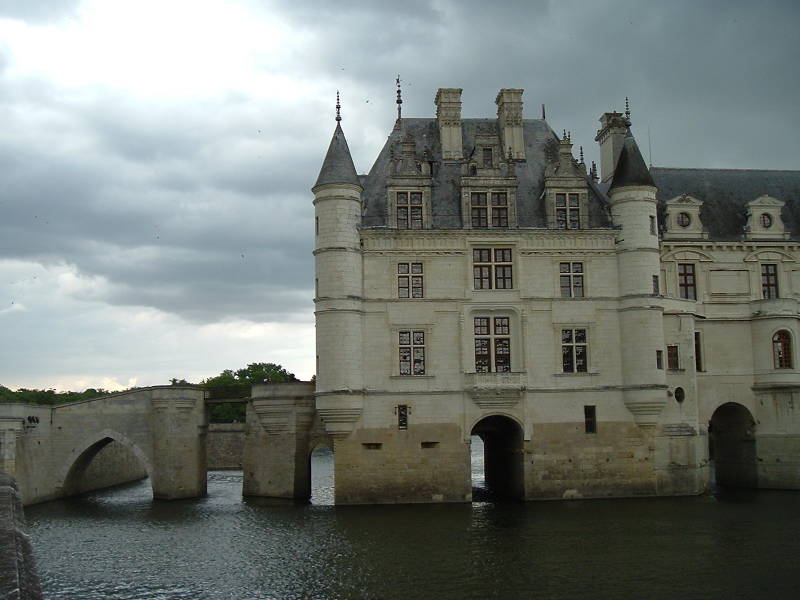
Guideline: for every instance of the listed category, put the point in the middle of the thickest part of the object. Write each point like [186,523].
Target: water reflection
[121,545]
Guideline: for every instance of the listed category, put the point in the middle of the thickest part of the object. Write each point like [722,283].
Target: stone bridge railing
[18,577]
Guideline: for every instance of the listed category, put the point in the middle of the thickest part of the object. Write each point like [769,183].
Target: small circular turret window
[684,219]
[766,220]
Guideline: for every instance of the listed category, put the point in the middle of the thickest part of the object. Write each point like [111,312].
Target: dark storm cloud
[706,78]
[202,208]
[38,11]
[191,210]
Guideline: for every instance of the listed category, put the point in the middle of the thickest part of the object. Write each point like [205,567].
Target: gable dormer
[489,185]
[565,190]
[683,219]
[409,188]
[764,219]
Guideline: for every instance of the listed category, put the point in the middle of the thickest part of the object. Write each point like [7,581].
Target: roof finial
[338,108]
[581,147]
[564,135]
[627,109]
[399,99]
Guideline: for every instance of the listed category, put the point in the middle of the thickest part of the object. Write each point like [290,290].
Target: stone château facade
[599,332]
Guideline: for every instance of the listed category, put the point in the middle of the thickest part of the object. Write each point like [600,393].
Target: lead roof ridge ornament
[338,108]
[399,100]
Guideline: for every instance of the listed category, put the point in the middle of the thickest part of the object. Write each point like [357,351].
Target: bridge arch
[732,446]
[321,470]
[82,456]
[503,456]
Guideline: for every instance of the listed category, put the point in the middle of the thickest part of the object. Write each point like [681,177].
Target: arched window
[782,350]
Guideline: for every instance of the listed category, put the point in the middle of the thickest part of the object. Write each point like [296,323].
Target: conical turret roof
[338,164]
[631,168]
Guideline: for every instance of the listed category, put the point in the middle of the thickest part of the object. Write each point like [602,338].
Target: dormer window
[764,219]
[487,158]
[568,212]
[409,210]
[489,209]
[683,218]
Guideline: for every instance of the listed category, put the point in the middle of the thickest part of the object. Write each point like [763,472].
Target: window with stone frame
[782,350]
[687,283]
[412,352]
[769,281]
[492,269]
[698,351]
[571,279]
[568,211]
[590,419]
[492,344]
[409,280]
[574,350]
[487,156]
[673,358]
[409,210]
[489,210]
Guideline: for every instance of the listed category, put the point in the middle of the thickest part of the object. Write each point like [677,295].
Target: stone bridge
[158,432]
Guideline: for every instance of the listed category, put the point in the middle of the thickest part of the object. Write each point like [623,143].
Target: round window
[766,220]
[680,395]
[684,219]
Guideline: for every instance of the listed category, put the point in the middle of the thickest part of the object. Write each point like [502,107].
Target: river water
[119,544]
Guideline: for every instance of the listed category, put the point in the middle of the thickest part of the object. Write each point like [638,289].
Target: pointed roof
[631,168]
[338,164]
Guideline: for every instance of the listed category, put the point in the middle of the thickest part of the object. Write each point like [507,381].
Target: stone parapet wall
[225,445]
[18,577]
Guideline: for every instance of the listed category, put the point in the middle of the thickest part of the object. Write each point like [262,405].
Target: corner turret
[338,164]
[339,272]
[631,168]
[632,196]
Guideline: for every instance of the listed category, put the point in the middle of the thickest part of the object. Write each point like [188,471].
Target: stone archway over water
[321,473]
[109,459]
[732,446]
[503,454]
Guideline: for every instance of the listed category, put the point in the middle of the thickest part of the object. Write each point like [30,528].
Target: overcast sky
[156,156]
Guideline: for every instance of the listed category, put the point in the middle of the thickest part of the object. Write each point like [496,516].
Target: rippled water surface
[119,544]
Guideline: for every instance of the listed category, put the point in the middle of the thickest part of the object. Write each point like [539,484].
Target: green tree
[236,384]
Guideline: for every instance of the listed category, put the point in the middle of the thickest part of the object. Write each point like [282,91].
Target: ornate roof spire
[338,108]
[399,99]
[627,110]
[581,147]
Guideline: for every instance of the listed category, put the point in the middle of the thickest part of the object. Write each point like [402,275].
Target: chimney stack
[611,136]
[509,114]
[448,115]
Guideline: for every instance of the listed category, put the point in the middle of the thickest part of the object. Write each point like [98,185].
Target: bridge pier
[277,438]
[179,444]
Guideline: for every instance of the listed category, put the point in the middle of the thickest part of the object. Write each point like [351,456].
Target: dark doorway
[502,460]
[732,447]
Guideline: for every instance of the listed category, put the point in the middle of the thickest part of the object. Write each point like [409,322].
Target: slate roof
[338,164]
[725,194]
[631,168]
[541,143]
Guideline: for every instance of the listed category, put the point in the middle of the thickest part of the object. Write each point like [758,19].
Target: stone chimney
[509,115]
[448,114]
[611,136]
